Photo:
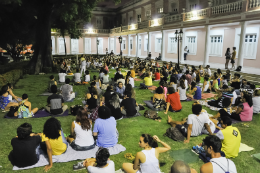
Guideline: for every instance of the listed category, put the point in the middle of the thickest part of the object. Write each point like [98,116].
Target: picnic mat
[257,156]
[40,114]
[185,155]
[152,88]
[136,79]
[244,147]
[71,155]
[207,95]
[46,93]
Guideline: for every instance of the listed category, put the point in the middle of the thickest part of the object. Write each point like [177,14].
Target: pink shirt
[106,68]
[165,91]
[247,113]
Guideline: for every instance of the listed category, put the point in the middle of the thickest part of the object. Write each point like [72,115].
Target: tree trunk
[42,56]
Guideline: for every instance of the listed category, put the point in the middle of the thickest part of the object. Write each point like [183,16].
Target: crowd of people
[112,97]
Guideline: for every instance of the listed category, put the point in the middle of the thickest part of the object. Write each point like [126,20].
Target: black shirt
[116,113]
[130,106]
[236,85]
[107,96]
[24,151]
[223,113]
[55,101]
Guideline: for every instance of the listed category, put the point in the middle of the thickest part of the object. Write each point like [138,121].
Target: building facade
[209,28]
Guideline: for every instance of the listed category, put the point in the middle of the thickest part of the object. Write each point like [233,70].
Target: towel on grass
[207,95]
[152,88]
[136,79]
[40,114]
[257,156]
[185,155]
[46,94]
[71,155]
[244,147]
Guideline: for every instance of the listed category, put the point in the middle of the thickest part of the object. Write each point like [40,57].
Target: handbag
[151,114]
[174,134]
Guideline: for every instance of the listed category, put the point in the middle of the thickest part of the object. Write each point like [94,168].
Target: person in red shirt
[173,101]
[157,75]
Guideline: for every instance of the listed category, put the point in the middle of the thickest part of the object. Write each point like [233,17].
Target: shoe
[78,166]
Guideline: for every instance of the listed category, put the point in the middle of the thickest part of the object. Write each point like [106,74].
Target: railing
[133,27]
[176,17]
[254,3]
[142,25]
[94,31]
[156,22]
[117,30]
[227,8]
[195,15]
[125,28]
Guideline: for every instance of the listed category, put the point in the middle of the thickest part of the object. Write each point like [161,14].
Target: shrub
[10,77]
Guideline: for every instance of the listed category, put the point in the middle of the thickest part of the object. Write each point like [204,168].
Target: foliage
[14,65]
[11,77]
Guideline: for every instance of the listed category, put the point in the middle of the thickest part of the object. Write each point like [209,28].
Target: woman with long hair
[5,103]
[158,102]
[147,160]
[114,106]
[214,86]
[129,88]
[81,138]
[195,91]
[228,56]
[182,91]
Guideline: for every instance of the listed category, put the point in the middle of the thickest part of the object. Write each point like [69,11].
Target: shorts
[171,110]
[232,61]
[183,128]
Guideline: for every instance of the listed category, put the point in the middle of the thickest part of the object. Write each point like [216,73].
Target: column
[128,46]
[240,60]
[149,43]
[163,45]
[207,41]
[114,45]
[108,44]
[137,45]
[56,44]
[182,47]
[97,45]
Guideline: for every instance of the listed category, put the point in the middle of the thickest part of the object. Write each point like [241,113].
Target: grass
[129,129]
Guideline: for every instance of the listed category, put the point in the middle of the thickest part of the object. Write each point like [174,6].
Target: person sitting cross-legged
[194,124]
[173,101]
[159,100]
[181,167]
[25,147]
[129,107]
[77,76]
[148,82]
[218,164]
[67,91]
[120,90]
[230,138]
[81,138]
[25,108]
[147,160]
[55,103]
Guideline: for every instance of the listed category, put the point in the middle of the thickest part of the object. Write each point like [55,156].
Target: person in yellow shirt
[230,138]
[133,72]
[147,82]
[234,54]
[53,140]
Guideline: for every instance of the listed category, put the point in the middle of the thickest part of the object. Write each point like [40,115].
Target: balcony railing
[94,31]
[156,22]
[254,4]
[173,18]
[227,8]
[142,25]
[125,28]
[196,15]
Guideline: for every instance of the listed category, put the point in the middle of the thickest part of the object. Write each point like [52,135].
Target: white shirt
[223,162]
[88,64]
[62,77]
[77,77]
[212,127]
[256,104]
[186,84]
[87,78]
[197,122]
[105,78]
[132,82]
[209,71]
[193,76]
[182,93]
[83,63]
[109,169]
[83,138]
[151,164]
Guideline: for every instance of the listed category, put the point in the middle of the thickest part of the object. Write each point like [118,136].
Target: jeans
[80,148]
[143,85]
[185,55]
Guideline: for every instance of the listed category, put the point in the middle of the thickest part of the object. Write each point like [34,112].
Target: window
[99,23]
[123,44]
[61,46]
[74,46]
[111,45]
[146,44]
[53,44]
[216,45]
[172,45]
[250,45]
[193,6]
[100,46]
[131,44]
[88,45]
[159,10]
[140,44]
[192,45]
[158,45]
[130,20]
[148,13]
[139,18]
[174,7]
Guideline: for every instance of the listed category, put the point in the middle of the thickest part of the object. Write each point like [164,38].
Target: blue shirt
[120,90]
[197,94]
[106,129]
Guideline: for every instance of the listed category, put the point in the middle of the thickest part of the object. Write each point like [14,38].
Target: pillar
[182,47]
[114,45]
[108,44]
[240,60]
[137,45]
[56,44]
[128,45]
[163,45]
[149,43]
[207,41]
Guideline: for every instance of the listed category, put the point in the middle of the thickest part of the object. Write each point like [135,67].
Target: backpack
[174,134]
[74,109]
[238,68]
[151,114]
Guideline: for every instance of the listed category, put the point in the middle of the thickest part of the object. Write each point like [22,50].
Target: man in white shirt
[67,91]
[83,66]
[194,124]
[208,71]
[62,77]
[77,76]
[218,164]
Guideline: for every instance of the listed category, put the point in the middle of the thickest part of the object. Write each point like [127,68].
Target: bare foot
[169,119]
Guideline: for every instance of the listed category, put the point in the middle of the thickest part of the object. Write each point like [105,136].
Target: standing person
[83,65]
[228,56]
[186,50]
[217,164]
[234,54]
[148,159]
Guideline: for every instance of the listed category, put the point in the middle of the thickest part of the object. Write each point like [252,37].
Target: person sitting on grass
[25,108]
[181,167]
[256,101]
[157,75]
[147,82]
[194,124]
[55,103]
[182,91]
[62,77]
[212,145]
[25,147]
[244,111]
[158,101]
[5,103]
[100,164]
[53,140]
[12,97]
[67,91]
[214,86]
[114,106]
[120,90]
[105,128]
[77,76]
[51,82]
[206,84]
[81,138]
[87,76]
[129,107]
[226,111]
[105,77]
[195,91]
[230,138]
[147,160]
[173,101]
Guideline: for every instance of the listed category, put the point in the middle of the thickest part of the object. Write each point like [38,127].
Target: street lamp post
[97,46]
[178,38]
[120,41]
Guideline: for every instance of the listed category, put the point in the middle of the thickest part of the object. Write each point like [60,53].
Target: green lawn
[129,129]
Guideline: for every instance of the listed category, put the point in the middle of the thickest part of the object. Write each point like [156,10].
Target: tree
[64,15]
